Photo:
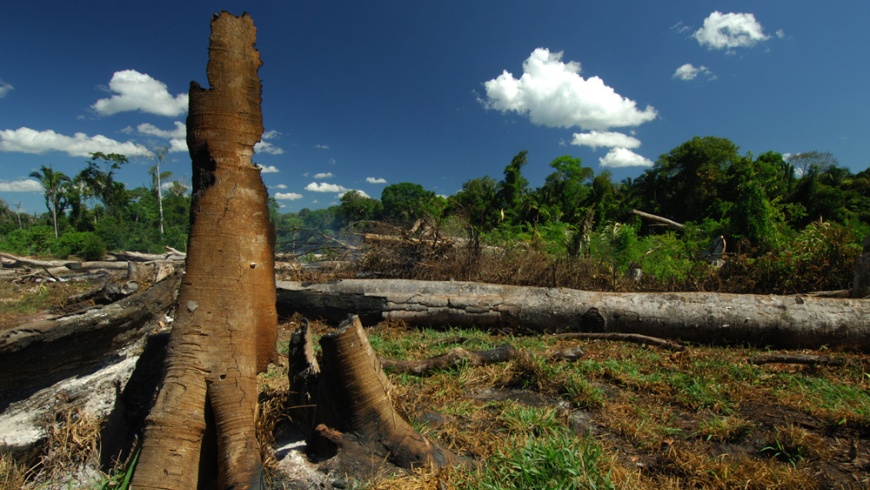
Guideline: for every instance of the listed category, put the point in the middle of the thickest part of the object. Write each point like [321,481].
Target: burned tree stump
[346,397]
[201,431]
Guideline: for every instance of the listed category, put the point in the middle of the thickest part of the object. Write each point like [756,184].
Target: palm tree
[52,185]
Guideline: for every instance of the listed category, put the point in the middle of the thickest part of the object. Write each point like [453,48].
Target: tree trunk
[861,283]
[348,392]
[203,423]
[763,320]
[36,355]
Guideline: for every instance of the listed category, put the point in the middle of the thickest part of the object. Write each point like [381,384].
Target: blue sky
[359,95]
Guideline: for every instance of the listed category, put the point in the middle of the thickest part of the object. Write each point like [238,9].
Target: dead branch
[805,359]
[658,219]
[624,337]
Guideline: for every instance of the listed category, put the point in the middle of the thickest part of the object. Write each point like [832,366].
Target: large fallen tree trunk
[778,321]
[39,354]
[201,432]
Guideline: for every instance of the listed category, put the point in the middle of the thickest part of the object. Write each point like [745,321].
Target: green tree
[684,183]
[356,207]
[565,191]
[476,203]
[513,188]
[52,186]
[405,202]
[99,177]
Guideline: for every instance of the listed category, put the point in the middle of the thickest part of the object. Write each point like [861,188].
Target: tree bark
[225,328]
[347,391]
[708,318]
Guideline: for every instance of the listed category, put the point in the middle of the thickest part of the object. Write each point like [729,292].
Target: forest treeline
[792,220]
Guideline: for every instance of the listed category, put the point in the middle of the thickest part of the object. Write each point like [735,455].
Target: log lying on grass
[36,355]
[346,397]
[710,318]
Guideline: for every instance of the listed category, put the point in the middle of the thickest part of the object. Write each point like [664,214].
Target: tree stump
[346,397]
[201,431]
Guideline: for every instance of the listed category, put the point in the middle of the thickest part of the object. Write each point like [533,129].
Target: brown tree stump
[201,431]
[346,397]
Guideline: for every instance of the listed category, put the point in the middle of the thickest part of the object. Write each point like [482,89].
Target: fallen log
[707,318]
[659,219]
[15,261]
[39,354]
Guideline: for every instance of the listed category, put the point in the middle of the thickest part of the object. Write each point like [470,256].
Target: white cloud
[180,130]
[553,93]
[288,196]
[780,34]
[608,139]
[139,92]
[5,88]
[690,72]
[361,193]
[322,147]
[26,140]
[376,180]
[623,157]
[279,186]
[324,187]
[267,169]
[727,31]
[323,175]
[266,147]
[271,134]
[26,185]
[177,137]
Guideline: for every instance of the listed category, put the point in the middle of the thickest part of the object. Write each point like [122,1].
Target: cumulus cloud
[136,91]
[552,93]
[267,169]
[279,186]
[689,72]
[5,88]
[376,180]
[323,175]
[26,185]
[180,130]
[177,137]
[288,196]
[623,157]
[26,140]
[324,187]
[728,31]
[607,139]
[266,147]
[270,134]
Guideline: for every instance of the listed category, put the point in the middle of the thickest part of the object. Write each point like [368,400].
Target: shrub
[37,240]
[84,244]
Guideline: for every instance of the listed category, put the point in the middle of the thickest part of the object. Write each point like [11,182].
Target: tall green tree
[99,177]
[52,186]
[684,183]
[476,202]
[565,191]
[512,189]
